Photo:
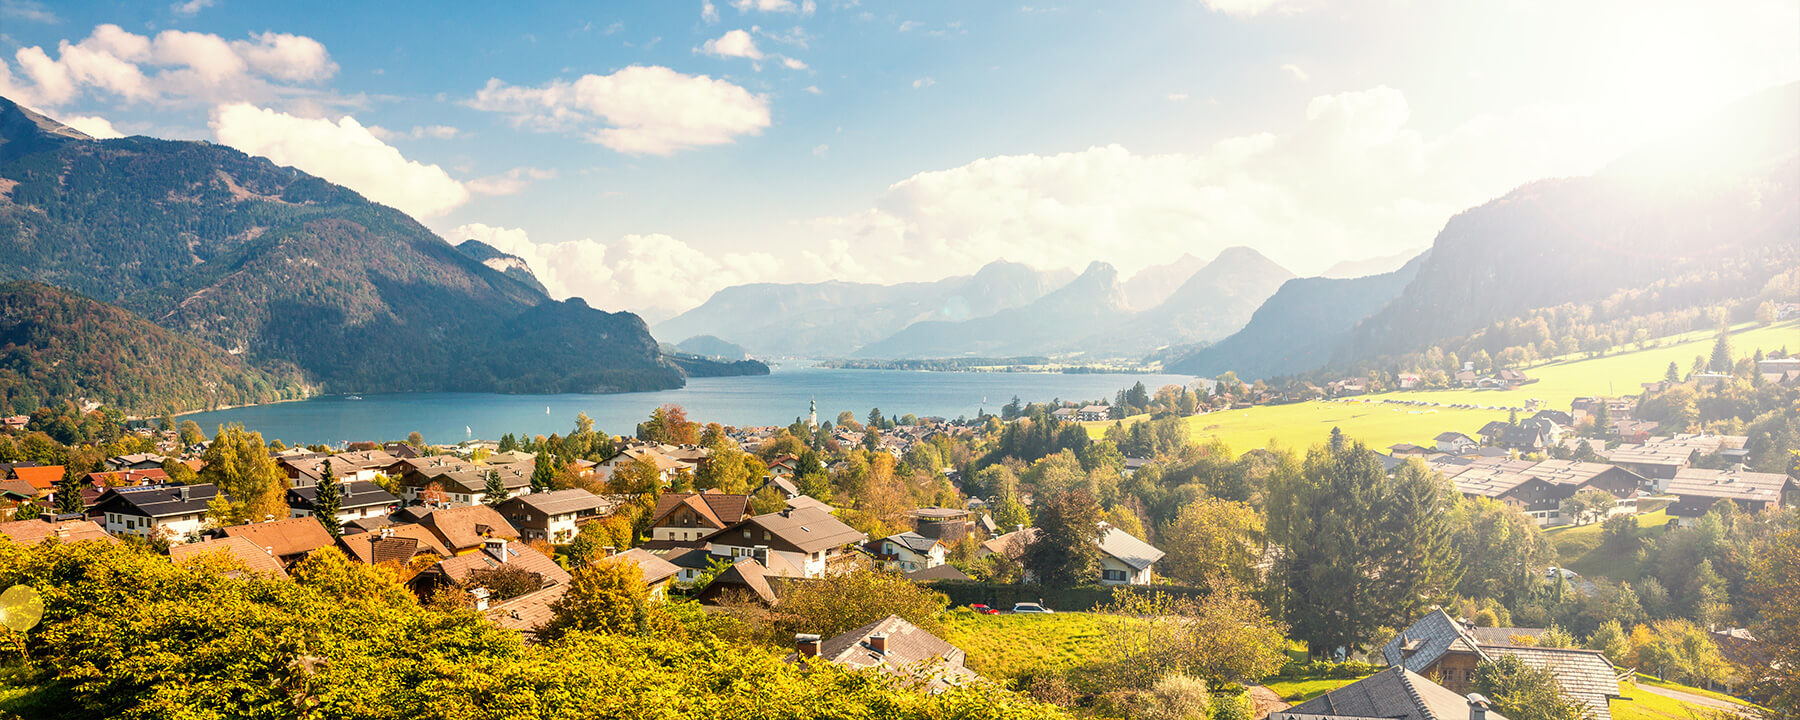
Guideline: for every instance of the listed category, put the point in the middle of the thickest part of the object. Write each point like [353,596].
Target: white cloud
[174,65]
[638,110]
[820,150]
[635,271]
[923,83]
[1251,8]
[1352,179]
[793,63]
[192,7]
[27,10]
[510,182]
[735,43]
[708,12]
[814,89]
[765,5]
[343,152]
[1177,97]
[94,125]
[1295,71]
[908,25]
[435,132]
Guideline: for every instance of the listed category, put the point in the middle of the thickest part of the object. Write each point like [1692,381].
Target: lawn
[1640,705]
[1578,548]
[1003,647]
[1302,425]
[1299,691]
[1620,373]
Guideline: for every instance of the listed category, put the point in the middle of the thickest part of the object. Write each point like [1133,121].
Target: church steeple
[812,414]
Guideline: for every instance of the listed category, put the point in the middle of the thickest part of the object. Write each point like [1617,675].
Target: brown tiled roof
[745,573]
[1586,675]
[717,508]
[654,567]
[285,538]
[526,613]
[32,532]
[252,556]
[1395,693]
[364,546]
[465,527]
[911,652]
[1728,484]
[561,502]
[808,529]
[518,555]
[127,478]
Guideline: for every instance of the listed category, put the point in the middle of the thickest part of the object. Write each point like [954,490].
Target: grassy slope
[1578,548]
[1640,705]
[1299,691]
[1301,425]
[1003,647]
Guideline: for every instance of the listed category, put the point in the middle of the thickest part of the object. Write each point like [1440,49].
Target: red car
[983,609]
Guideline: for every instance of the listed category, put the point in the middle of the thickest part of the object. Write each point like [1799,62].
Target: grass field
[1301,425]
[1003,647]
[1299,691]
[1640,705]
[1578,548]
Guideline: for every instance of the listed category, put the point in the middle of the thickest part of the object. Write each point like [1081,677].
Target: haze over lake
[774,399]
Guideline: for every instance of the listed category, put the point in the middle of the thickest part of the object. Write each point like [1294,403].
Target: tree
[28,510]
[1066,551]
[1676,649]
[1587,504]
[68,492]
[1212,537]
[1721,353]
[1673,374]
[1775,594]
[251,486]
[1224,638]
[1523,692]
[607,596]
[767,500]
[840,601]
[495,491]
[1610,641]
[190,433]
[329,500]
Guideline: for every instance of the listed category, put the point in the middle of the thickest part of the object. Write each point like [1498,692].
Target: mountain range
[283,269]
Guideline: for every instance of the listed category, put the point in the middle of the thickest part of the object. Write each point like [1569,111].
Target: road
[1692,699]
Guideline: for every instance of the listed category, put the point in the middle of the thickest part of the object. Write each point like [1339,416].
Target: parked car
[983,609]
[1032,608]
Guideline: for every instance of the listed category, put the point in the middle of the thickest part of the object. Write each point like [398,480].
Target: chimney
[806,644]
[878,643]
[481,598]
[184,492]
[787,511]
[495,547]
[1478,707]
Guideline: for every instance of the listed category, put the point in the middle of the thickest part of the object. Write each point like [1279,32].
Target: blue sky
[643,155]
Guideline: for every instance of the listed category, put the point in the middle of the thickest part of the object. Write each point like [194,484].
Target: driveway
[1697,700]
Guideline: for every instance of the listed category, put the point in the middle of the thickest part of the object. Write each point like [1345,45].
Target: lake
[774,399]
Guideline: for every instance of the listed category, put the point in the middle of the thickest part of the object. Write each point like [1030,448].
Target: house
[1493,432]
[494,555]
[1455,443]
[1538,488]
[135,461]
[289,540]
[907,552]
[1396,693]
[453,483]
[749,578]
[168,511]
[554,516]
[253,557]
[1067,414]
[783,485]
[398,545]
[1093,413]
[894,646]
[1409,381]
[1408,449]
[1513,379]
[128,478]
[1466,378]
[950,525]
[42,477]
[357,500]
[682,516]
[463,530]
[1658,459]
[807,501]
[669,460]
[658,573]
[15,423]
[1443,650]
[808,539]
[1696,490]
[1124,560]
[63,528]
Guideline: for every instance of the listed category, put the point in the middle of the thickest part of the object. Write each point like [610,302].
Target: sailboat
[546,409]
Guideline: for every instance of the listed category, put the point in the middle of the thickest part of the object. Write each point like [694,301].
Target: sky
[645,155]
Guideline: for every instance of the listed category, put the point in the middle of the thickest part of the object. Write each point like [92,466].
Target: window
[1113,575]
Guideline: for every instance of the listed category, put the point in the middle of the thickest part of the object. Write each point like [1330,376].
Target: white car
[1032,608]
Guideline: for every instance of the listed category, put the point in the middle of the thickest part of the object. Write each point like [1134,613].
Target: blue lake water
[775,399]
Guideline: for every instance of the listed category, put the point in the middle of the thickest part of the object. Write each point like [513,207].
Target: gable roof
[808,529]
[34,531]
[1586,675]
[461,528]
[1127,548]
[1418,647]
[807,501]
[912,541]
[42,477]
[1395,693]
[1729,484]
[516,554]
[526,613]
[128,477]
[156,500]
[390,543]
[252,556]
[911,653]
[285,538]
[353,494]
[655,568]
[563,502]
[718,509]
[745,573]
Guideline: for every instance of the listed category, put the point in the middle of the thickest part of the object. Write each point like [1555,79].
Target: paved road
[1692,699]
[1265,701]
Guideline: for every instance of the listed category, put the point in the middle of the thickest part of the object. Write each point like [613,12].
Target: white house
[1124,560]
[356,500]
[1456,443]
[808,538]
[908,552]
[174,512]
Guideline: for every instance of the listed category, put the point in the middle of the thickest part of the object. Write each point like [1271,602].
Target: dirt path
[1692,699]
[1264,701]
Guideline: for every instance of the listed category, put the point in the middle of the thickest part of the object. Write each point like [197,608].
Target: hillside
[1213,303]
[1087,306]
[281,267]
[509,265]
[710,346]
[1706,216]
[56,345]
[833,319]
[1298,329]
[1150,286]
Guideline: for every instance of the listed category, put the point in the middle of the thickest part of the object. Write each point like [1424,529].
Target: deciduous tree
[1066,552]
[251,486]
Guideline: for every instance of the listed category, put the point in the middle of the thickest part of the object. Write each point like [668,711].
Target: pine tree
[1721,353]
[328,500]
[495,492]
[68,493]
[543,472]
[1673,375]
